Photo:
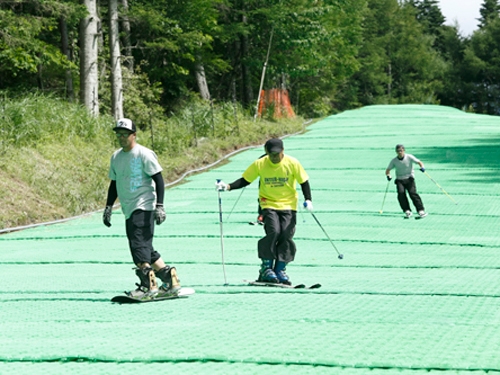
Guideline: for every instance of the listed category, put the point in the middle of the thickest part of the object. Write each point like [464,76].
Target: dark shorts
[140,227]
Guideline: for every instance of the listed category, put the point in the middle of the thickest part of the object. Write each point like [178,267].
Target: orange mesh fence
[276,103]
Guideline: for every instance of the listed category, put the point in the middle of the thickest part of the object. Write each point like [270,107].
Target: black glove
[389,178]
[160,214]
[106,216]
[422,169]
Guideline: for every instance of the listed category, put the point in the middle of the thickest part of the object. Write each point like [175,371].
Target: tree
[115,57]
[482,68]
[201,79]
[429,15]
[489,11]
[313,48]
[398,62]
[173,40]
[65,48]
[322,41]
[89,34]
[30,44]
[127,46]
[455,90]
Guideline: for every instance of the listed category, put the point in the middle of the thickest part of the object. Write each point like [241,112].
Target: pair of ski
[284,286]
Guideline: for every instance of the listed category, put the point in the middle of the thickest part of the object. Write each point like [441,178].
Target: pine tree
[429,15]
[489,10]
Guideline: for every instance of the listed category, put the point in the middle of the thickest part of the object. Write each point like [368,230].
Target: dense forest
[147,58]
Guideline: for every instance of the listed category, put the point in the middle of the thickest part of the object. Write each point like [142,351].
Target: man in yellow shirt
[278,199]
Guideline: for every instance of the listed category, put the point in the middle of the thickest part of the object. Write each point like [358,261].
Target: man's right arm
[238,184]
[248,177]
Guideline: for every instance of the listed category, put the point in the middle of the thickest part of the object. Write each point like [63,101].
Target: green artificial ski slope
[410,296]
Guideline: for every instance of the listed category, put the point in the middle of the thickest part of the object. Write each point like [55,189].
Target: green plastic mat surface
[409,297]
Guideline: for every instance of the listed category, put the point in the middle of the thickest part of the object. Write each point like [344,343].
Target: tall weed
[37,118]
[55,157]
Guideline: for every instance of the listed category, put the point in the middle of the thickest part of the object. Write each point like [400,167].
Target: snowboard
[284,286]
[183,293]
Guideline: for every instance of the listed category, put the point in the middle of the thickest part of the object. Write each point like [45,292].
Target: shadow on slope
[479,156]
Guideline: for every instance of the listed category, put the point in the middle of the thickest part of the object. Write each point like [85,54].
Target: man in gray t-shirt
[137,181]
[405,181]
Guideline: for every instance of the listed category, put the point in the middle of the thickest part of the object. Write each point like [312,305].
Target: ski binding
[124,299]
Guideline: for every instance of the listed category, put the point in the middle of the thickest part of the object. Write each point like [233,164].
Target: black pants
[278,242]
[140,227]
[403,186]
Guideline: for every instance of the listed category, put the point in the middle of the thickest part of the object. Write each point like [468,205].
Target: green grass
[55,157]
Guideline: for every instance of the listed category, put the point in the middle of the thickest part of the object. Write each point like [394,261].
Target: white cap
[126,124]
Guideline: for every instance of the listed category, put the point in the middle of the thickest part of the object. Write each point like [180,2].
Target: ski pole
[221,235]
[448,195]
[303,217]
[235,203]
[341,256]
[385,195]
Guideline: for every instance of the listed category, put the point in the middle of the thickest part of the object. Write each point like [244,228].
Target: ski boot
[170,286]
[266,273]
[280,269]
[148,288]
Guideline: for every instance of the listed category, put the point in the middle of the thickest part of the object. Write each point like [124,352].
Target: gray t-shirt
[132,172]
[404,168]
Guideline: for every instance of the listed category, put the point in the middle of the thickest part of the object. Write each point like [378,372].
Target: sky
[465,12]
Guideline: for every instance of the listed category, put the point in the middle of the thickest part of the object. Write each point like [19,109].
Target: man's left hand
[160,214]
[308,205]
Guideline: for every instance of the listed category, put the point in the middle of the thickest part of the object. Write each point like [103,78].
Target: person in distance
[405,181]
